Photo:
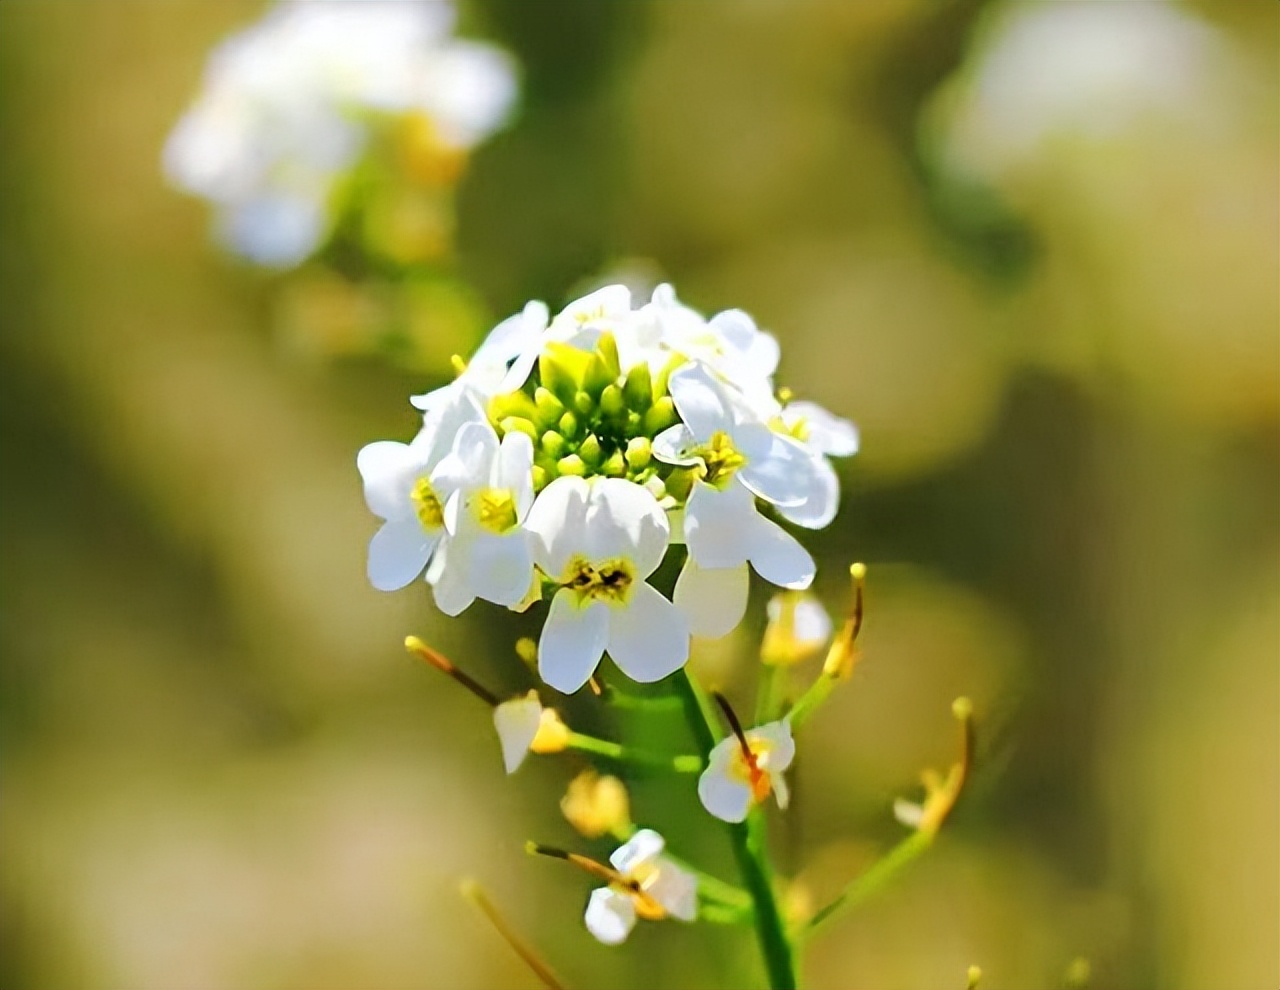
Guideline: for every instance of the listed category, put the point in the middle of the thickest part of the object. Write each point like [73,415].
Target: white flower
[487,371]
[401,487]
[741,773]
[798,628]
[578,325]
[651,887]
[524,726]
[742,458]
[489,491]
[599,541]
[287,106]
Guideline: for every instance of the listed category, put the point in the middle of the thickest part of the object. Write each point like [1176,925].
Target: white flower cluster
[570,453]
[286,108]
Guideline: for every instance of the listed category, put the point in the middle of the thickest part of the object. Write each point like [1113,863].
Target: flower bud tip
[974,977]
[858,571]
[962,709]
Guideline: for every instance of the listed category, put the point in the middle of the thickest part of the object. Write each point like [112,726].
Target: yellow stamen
[720,459]
[495,509]
[610,581]
[427,505]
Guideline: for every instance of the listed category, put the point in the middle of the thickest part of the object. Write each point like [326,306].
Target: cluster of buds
[570,454]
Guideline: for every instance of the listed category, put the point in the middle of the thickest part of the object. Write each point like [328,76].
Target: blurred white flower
[650,886]
[286,107]
[742,772]
[599,541]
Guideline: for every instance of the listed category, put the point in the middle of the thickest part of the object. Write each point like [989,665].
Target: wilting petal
[398,552]
[610,916]
[558,521]
[648,636]
[517,723]
[572,642]
[713,599]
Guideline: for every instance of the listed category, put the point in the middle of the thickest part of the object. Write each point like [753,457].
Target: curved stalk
[685,763]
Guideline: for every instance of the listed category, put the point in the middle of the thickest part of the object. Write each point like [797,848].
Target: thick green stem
[634,757]
[875,879]
[750,850]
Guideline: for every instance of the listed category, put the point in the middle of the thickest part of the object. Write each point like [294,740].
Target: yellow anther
[495,509]
[553,734]
[720,459]
[459,364]
[843,655]
[610,581]
[427,505]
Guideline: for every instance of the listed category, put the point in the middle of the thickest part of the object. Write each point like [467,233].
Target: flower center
[748,769]
[721,459]
[495,509]
[427,505]
[636,885]
[609,581]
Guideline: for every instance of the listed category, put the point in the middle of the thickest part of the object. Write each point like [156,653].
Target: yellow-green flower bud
[541,477]
[510,404]
[557,375]
[572,464]
[638,389]
[639,453]
[569,425]
[589,450]
[614,466]
[598,374]
[583,404]
[660,415]
[547,408]
[680,483]
[607,348]
[612,403]
[517,424]
[553,445]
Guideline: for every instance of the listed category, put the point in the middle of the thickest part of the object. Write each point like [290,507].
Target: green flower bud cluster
[588,418]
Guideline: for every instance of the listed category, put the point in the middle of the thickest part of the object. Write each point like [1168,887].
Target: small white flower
[739,776]
[651,887]
[489,367]
[599,541]
[402,488]
[489,488]
[742,458]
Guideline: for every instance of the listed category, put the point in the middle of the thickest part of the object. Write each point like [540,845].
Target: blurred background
[1031,249]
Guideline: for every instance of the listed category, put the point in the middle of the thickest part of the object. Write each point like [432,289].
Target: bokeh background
[1031,249]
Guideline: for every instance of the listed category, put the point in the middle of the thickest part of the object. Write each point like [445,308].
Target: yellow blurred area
[1062,348]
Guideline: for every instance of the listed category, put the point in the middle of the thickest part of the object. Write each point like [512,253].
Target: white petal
[648,636]
[558,522]
[827,433]
[513,470]
[500,567]
[625,520]
[467,465]
[443,423]
[820,507]
[449,577]
[778,469]
[676,889]
[810,623]
[781,748]
[514,334]
[388,470]
[781,789]
[517,723]
[778,557]
[723,796]
[718,524]
[398,552]
[610,916]
[908,813]
[645,845]
[700,400]
[674,445]
[735,327]
[713,599]
[572,641]
[611,302]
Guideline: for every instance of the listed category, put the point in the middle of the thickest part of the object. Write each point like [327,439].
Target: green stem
[874,879]
[635,757]
[750,850]
[767,694]
[808,703]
